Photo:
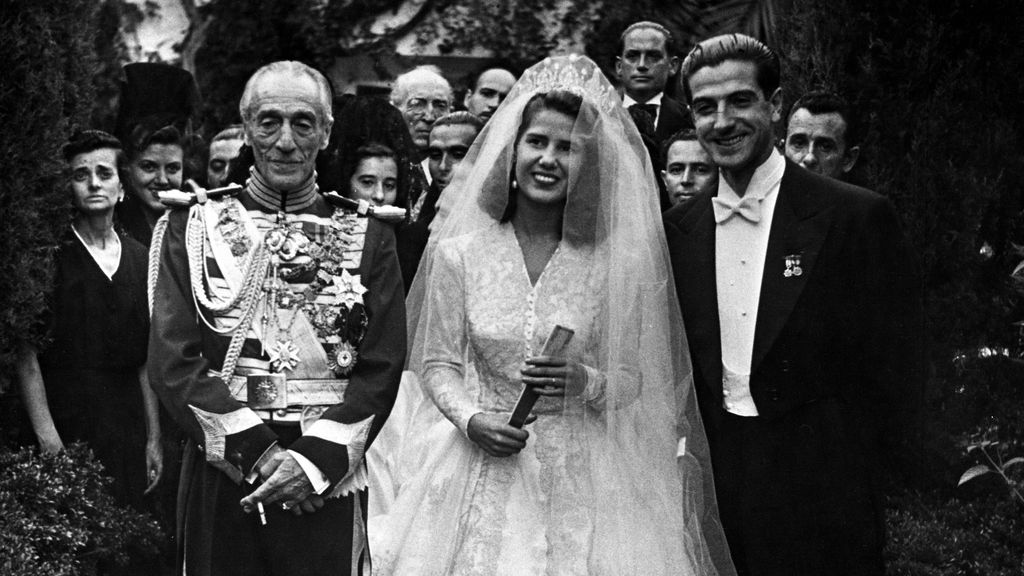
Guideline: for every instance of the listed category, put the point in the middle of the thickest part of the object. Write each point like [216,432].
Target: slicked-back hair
[233,132]
[718,49]
[85,141]
[460,117]
[684,135]
[400,90]
[245,105]
[670,42]
[826,102]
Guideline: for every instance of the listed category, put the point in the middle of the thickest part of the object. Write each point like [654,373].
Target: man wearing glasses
[423,96]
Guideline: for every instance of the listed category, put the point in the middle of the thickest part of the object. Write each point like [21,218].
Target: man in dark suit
[803,314]
[645,64]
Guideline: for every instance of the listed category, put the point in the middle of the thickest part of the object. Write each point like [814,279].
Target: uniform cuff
[317,478]
[233,442]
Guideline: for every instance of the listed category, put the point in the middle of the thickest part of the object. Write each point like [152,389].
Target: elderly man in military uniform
[278,338]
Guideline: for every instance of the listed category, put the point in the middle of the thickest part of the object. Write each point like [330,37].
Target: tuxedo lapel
[671,119]
[700,292]
[799,227]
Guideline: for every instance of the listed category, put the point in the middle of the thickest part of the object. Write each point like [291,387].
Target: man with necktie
[645,64]
[803,312]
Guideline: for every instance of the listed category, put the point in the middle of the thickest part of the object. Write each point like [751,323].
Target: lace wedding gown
[465,512]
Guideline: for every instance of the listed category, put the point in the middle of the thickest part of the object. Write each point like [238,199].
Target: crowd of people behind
[323,386]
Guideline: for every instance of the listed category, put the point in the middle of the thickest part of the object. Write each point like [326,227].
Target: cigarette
[263,514]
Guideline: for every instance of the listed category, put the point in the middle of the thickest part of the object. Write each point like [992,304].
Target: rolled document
[555,345]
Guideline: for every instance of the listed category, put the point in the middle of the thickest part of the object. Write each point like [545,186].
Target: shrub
[56,517]
[931,534]
[46,53]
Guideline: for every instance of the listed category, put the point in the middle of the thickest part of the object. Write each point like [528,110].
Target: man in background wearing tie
[803,312]
[646,62]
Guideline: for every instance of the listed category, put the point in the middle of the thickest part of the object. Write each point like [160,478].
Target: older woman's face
[95,186]
[545,157]
[155,169]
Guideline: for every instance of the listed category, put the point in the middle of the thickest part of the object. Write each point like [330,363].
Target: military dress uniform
[276,319]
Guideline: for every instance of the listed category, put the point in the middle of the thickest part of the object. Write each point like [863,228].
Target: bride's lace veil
[651,494]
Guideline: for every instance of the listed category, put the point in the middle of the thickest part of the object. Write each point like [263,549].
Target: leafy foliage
[241,36]
[931,534]
[46,52]
[57,518]
[522,31]
[996,459]
[114,19]
[937,96]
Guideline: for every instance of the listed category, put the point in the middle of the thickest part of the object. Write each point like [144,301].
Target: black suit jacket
[672,118]
[836,369]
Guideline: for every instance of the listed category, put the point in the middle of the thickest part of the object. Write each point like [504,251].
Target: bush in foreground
[57,518]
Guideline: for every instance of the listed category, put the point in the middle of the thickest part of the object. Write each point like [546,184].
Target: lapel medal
[793,266]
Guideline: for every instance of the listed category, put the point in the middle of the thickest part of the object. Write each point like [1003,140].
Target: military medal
[284,355]
[343,359]
[793,266]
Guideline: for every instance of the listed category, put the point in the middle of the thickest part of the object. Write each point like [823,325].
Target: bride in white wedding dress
[552,220]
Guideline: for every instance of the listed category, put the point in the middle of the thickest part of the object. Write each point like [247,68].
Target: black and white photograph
[512,288]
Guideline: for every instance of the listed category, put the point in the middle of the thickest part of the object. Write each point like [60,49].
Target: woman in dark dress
[90,383]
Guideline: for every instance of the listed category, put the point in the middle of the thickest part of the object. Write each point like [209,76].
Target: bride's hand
[491,432]
[554,376]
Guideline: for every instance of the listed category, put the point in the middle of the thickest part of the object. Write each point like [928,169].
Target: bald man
[489,91]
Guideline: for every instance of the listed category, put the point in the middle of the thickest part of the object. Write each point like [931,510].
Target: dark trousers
[793,497]
[219,539]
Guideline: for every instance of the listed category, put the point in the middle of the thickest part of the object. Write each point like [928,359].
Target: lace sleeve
[444,347]
[619,384]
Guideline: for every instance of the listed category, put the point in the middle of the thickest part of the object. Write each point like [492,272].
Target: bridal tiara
[573,73]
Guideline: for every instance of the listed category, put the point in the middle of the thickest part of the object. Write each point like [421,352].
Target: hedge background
[48,59]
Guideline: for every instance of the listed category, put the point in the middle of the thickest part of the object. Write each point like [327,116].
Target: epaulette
[199,195]
[384,213]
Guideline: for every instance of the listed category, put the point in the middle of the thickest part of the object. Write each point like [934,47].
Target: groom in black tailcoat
[803,312]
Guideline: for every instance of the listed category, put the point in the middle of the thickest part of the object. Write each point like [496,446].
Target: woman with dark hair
[156,162]
[553,230]
[371,174]
[90,383]
[359,121]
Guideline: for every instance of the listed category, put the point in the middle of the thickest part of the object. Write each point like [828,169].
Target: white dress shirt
[425,164]
[740,247]
[627,101]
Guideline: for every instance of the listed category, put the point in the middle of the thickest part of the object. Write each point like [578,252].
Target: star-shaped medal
[349,288]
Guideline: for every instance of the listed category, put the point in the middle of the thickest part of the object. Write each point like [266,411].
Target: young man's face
[490,90]
[688,171]
[222,152]
[644,66]
[817,142]
[448,146]
[732,115]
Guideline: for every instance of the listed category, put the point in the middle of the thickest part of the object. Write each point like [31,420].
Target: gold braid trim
[153,268]
[257,263]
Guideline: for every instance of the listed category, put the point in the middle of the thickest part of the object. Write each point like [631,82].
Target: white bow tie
[748,207]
